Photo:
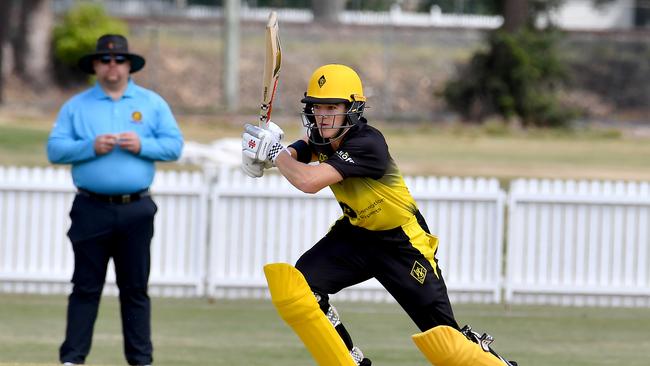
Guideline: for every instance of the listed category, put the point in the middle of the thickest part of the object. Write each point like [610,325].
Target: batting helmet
[333,84]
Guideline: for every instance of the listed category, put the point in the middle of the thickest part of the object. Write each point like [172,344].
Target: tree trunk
[515,14]
[642,13]
[5,13]
[327,11]
[232,40]
[32,43]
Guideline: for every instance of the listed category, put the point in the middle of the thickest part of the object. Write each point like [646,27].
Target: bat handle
[264,115]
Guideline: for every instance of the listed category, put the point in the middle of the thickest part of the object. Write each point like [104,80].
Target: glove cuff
[275,151]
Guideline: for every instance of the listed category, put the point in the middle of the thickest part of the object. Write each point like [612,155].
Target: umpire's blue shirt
[92,113]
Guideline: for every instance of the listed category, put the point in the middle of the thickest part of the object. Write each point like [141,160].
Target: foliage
[489,7]
[518,76]
[206,2]
[277,3]
[521,72]
[369,5]
[77,34]
[486,7]
[618,72]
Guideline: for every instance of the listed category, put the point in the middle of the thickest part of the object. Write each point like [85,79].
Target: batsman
[381,233]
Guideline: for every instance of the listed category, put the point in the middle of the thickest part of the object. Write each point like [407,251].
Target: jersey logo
[348,211]
[322,157]
[419,272]
[345,156]
[136,117]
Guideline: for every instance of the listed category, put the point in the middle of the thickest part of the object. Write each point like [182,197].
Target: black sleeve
[303,151]
[365,154]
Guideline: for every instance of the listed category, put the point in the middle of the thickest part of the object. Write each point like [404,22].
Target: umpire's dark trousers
[101,230]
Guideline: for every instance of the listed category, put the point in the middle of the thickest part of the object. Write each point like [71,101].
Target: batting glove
[276,131]
[262,145]
[251,167]
[279,134]
[254,168]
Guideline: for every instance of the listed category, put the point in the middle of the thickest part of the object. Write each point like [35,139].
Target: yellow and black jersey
[381,234]
[372,193]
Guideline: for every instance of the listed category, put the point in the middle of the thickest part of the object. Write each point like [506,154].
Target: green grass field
[419,149]
[249,332]
[197,332]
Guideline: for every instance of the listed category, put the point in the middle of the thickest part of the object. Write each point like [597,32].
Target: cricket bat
[272,62]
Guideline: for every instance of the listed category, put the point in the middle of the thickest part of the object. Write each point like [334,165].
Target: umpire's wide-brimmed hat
[111,44]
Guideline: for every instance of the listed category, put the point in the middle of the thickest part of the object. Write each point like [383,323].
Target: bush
[517,76]
[78,32]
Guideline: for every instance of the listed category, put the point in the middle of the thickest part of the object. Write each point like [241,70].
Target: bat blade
[272,63]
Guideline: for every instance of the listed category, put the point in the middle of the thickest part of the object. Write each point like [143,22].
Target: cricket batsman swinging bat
[290,292]
[273,60]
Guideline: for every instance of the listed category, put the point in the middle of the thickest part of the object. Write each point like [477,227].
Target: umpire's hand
[129,141]
[105,143]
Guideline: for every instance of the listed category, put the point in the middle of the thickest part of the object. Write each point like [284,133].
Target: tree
[485,7]
[5,10]
[327,11]
[77,34]
[519,75]
[27,27]
[516,14]
[31,43]
[642,13]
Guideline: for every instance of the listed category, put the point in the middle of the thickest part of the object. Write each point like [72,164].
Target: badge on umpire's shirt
[136,117]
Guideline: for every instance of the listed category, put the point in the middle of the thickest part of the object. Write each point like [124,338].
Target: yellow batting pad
[445,346]
[297,305]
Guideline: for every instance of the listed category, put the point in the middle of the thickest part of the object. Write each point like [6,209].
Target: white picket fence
[571,243]
[36,256]
[257,221]
[578,243]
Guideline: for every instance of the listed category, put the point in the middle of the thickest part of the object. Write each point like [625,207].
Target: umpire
[111,134]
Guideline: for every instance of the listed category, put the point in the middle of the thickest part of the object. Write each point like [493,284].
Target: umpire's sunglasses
[106,59]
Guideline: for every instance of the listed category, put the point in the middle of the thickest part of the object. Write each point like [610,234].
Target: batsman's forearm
[300,175]
[307,178]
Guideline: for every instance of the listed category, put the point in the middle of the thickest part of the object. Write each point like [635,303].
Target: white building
[587,15]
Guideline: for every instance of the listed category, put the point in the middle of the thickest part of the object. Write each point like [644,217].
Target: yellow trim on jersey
[424,242]
[376,204]
[384,204]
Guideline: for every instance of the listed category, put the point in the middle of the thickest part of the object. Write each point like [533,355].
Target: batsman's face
[329,118]
[112,70]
